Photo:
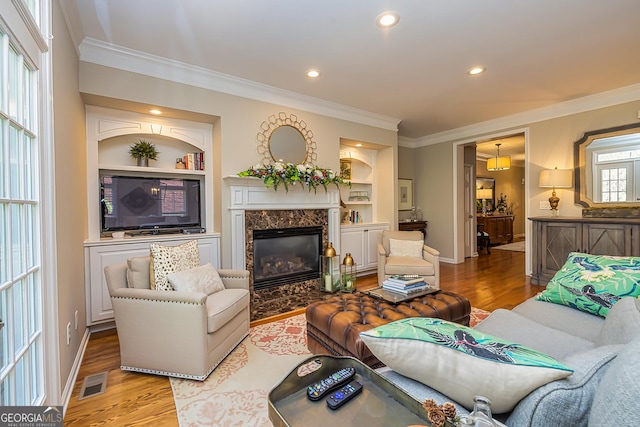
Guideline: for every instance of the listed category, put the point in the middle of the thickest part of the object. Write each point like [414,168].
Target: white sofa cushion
[622,324]
[511,326]
[138,272]
[204,279]
[563,318]
[223,306]
[408,265]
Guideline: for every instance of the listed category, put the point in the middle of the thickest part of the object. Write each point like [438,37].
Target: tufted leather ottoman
[334,324]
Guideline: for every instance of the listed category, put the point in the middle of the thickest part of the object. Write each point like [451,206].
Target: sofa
[183,334]
[602,351]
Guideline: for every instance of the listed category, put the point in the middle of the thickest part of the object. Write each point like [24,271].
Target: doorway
[511,184]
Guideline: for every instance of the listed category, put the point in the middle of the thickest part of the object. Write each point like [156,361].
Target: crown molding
[110,55]
[566,108]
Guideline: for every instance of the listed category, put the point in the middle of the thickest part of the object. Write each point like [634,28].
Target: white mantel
[248,193]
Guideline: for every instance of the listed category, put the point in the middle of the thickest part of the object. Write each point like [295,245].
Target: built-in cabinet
[362,242]
[555,237]
[98,255]
[110,133]
[499,227]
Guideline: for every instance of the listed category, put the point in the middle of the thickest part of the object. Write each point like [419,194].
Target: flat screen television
[132,203]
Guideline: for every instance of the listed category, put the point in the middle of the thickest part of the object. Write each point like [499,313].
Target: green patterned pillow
[593,283]
[461,362]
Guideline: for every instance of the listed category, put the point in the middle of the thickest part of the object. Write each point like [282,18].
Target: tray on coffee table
[381,403]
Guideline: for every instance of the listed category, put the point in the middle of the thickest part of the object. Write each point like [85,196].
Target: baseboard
[75,369]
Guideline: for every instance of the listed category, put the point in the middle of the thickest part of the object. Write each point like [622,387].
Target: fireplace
[285,255]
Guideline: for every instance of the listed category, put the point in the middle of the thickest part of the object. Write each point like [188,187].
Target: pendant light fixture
[499,163]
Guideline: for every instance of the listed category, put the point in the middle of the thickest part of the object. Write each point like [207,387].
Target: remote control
[318,390]
[342,396]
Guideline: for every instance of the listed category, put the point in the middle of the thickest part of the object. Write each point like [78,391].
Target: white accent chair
[428,266]
[178,334]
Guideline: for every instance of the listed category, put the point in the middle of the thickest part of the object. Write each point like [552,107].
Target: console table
[555,237]
[413,226]
[499,227]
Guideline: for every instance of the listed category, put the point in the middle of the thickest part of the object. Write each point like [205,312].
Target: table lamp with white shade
[484,194]
[555,178]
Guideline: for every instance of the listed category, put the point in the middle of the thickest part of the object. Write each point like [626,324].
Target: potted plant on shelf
[142,151]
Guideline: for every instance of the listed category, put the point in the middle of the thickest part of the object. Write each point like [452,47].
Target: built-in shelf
[150,169]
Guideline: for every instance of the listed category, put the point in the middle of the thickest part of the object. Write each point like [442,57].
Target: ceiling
[536,53]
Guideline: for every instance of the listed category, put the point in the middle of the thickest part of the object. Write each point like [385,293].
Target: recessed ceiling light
[476,70]
[313,73]
[155,111]
[358,145]
[387,19]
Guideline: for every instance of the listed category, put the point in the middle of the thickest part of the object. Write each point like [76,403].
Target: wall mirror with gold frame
[607,167]
[286,139]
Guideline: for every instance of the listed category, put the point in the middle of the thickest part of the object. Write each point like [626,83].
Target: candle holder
[348,274]
[329,270]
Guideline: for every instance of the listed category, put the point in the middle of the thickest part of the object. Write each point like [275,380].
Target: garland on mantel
[289,174]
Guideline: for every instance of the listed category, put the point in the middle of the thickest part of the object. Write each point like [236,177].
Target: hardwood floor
[131,399]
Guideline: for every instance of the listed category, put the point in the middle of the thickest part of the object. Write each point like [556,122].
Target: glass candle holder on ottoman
[348,274]
[329,270]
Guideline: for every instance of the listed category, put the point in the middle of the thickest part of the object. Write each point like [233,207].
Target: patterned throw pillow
[461,362]
[410,248]
[204,279]
[170,259]
[593,283]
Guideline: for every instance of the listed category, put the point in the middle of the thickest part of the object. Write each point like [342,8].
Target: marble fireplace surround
[253,206]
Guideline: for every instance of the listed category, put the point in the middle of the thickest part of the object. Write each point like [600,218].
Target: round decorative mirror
[287,145]
[286,139]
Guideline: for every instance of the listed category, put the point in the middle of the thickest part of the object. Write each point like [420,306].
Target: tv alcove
[109,135]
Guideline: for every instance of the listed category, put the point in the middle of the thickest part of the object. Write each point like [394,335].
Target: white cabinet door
[372,236]
[98,256]
[352,241]
[362,242]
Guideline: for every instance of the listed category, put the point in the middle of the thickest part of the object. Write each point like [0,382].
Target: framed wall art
[405,194]
[345,169]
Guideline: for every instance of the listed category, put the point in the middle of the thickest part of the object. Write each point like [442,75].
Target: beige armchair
[179,334]
[389,264]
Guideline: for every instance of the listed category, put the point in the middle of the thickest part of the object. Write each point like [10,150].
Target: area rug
[236,392]
[515,247]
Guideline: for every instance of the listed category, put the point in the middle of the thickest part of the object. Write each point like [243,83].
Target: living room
[90,72]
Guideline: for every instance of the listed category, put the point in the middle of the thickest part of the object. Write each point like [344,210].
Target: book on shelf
[405,282]
[194,161]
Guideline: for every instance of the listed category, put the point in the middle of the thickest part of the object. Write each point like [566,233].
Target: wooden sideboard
[413,225]
[499,227]
[555,237]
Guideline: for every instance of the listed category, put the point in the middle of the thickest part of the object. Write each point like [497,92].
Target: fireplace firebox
[286,255]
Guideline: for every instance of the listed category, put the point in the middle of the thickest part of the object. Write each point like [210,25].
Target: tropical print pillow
[461,362]
[593,283]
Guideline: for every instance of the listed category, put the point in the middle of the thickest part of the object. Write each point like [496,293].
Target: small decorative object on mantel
[289,174]
[142,151]
[612,212]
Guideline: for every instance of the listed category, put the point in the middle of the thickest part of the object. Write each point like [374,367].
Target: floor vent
[93,385]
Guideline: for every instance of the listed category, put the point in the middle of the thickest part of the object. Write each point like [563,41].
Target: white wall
[71,201]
